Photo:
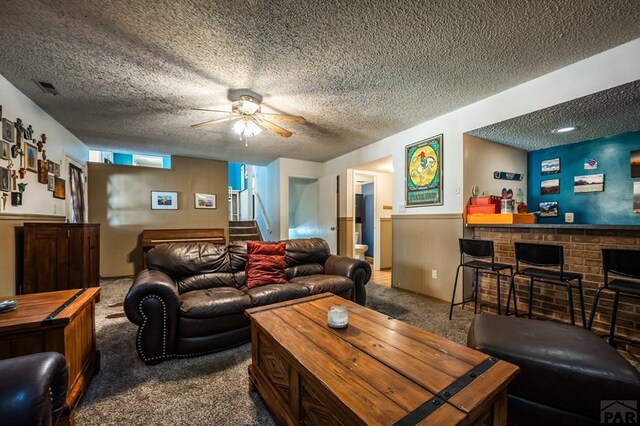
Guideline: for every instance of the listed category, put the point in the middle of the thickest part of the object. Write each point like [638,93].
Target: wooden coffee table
[376,371]
[57,321]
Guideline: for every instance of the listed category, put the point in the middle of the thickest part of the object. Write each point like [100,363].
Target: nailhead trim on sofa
[164,330]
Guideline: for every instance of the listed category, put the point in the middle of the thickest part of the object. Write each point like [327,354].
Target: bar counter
[583,245]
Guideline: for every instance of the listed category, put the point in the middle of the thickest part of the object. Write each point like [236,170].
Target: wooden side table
[58,321]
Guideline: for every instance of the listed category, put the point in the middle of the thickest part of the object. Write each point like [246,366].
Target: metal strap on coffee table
[447,393]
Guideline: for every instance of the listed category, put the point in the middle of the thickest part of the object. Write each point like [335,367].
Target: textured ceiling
[606,113]
[130,70]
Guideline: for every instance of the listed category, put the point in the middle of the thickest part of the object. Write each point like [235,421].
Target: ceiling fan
[251,120]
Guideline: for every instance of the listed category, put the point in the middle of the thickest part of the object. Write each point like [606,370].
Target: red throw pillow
[277,249]
[265,264]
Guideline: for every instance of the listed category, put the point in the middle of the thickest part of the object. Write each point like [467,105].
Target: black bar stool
[546,255]
[477,249]
[621,262]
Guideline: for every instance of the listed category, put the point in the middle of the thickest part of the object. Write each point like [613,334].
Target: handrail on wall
[263,211]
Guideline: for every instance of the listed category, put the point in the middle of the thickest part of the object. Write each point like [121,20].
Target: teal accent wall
[613,206]
[235,176]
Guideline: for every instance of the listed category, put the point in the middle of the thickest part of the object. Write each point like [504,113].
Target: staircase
[240,230]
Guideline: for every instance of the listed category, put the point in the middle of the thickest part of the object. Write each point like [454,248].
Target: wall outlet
[398,284]
[568,217]
[434,274]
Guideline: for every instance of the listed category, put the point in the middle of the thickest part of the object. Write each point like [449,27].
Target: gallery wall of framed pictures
[25,163]
[597,181]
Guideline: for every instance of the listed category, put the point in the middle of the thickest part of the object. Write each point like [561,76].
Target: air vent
[47,87]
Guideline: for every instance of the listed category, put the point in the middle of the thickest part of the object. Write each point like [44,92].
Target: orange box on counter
[500,218]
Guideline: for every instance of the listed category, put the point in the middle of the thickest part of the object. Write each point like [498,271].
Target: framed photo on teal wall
[423,173]
[550,167]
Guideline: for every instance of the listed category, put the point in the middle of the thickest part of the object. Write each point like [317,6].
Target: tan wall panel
[482,157]
[120,200]
[410,253]
[422,243]
[8,224]
[444,256]
[386,244]
[345,228]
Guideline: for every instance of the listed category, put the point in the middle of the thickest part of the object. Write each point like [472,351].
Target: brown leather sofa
[567,374]
[191,299]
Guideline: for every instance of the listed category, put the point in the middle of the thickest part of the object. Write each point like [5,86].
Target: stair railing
[263,215]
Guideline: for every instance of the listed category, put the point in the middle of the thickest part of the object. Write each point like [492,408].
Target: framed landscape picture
[164,200]
[588,183]
[550,167]
[423,173]
[205,201]
[549,209]
[550,186]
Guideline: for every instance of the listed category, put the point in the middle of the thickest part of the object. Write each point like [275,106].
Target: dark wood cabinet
[60,256]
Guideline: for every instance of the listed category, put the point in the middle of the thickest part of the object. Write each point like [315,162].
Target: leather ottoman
[565,371]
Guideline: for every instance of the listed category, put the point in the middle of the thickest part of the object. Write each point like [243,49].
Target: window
[126,159]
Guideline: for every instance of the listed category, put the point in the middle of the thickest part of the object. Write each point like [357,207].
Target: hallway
[381,277]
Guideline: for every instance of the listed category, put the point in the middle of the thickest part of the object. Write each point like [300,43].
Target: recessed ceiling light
[565,129]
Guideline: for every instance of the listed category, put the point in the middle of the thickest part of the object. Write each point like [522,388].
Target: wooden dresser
[60,256]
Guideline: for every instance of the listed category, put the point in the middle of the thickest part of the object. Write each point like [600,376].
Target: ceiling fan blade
[286,117]
[210,110]
[271,127]
[217,120]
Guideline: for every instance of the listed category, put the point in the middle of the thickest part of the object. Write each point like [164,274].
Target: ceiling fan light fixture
[244,127]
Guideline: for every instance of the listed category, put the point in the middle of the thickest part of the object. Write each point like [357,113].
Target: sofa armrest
[33,388]
[357,270]
[153,304]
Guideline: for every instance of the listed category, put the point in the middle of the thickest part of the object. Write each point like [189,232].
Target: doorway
[303,207]
[371,200]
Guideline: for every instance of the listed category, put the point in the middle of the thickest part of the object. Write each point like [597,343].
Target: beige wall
[8,225]
[422,243]
[386,238]
[482,158]
[120,200]
[345,228]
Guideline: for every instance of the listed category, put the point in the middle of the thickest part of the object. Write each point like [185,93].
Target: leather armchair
[33,389]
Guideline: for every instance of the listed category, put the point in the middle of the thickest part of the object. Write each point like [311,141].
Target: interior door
[327,213]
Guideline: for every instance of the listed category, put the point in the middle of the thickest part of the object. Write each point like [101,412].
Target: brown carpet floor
[211,389]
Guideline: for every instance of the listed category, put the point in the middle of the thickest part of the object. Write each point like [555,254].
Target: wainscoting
[422,244]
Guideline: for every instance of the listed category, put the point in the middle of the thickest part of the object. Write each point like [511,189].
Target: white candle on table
[338,317]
